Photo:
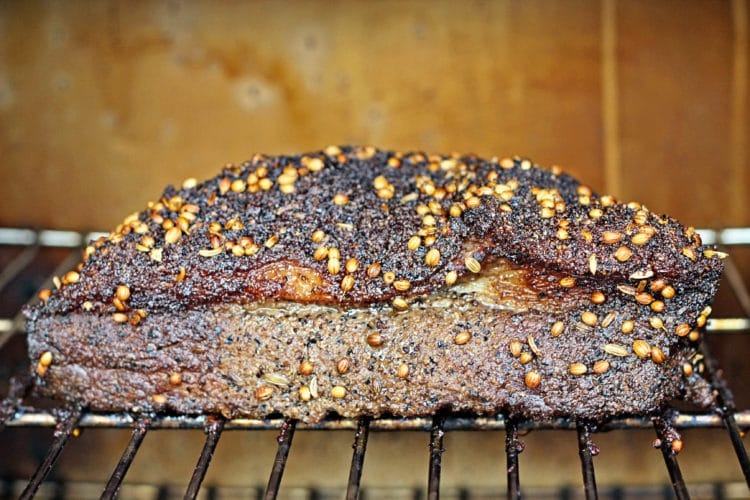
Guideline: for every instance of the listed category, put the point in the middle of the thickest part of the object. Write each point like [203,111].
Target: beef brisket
[361,282]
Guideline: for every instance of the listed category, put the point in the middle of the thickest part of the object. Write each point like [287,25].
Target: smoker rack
[66,421]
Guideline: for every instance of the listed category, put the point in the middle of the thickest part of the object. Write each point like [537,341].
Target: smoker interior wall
[102,104]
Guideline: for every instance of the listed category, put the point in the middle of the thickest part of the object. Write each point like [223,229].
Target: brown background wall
[103,103]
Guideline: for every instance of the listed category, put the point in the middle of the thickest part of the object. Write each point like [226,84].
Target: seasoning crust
[358,225]
[365,282]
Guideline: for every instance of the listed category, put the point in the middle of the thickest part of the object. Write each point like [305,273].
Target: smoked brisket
[359,281]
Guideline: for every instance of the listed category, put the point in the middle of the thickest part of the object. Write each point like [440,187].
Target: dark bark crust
[221,301]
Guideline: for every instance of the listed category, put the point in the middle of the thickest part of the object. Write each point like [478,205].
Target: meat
[364,282]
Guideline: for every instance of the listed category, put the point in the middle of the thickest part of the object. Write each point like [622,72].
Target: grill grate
[587,450]
[214,427]
[63,431]
[358,458]
[115,481]
[13,413]
[513,446]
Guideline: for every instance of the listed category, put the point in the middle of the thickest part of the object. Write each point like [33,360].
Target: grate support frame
[14,414]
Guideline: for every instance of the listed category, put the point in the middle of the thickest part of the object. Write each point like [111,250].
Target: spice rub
[281,285]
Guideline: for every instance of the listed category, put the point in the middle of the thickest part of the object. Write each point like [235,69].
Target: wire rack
[15,413]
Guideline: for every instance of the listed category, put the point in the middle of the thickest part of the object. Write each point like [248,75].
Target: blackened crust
[463,207]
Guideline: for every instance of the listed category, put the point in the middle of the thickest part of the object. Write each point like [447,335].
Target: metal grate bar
[727,236]
[512,448]
[285,444]
[113,485]
[738,445]
[726,410]
[17,265]
[358,458]
[17,325]
[728,325]
[666,438]
[587,450]
[63,431]
[738,285]
[436,451]
[53,238]
[213,433]
[30,417]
